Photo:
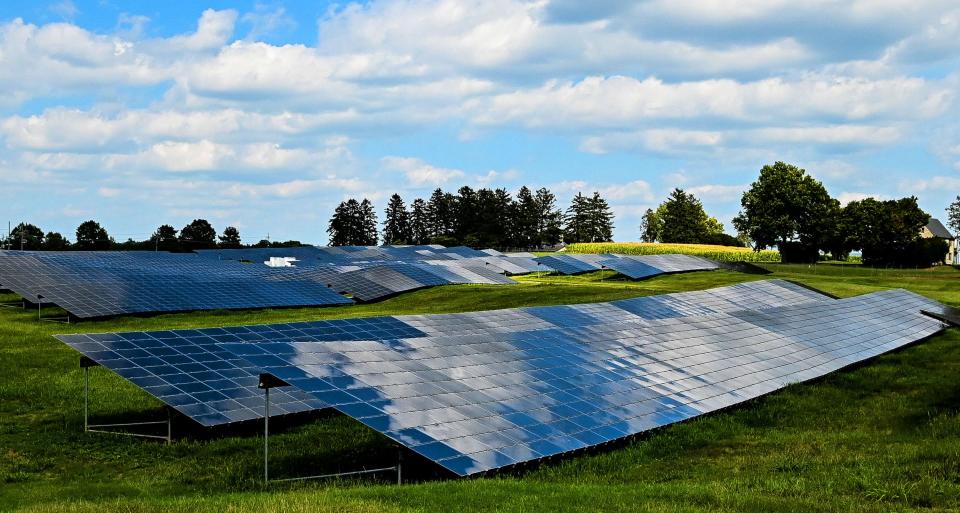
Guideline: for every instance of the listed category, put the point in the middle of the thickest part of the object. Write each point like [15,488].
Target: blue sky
[264,115]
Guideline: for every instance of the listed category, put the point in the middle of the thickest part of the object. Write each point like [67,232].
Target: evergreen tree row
[488,218]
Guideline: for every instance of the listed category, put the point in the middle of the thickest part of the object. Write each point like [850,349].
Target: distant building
[936,230]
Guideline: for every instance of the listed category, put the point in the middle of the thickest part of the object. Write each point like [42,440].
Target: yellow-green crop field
[720,253]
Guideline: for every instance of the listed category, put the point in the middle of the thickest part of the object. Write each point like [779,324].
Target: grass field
[721,253]
[881,437]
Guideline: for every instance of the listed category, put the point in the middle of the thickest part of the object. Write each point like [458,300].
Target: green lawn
[882,437]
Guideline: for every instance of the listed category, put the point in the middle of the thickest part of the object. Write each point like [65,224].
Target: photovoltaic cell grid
[638,267]
[474,403]
[634,267]
[188,371]
[96,285]
[169,369]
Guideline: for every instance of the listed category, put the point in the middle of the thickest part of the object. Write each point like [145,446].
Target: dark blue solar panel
[474,403]
[564,264]
[188,371]
[172,373]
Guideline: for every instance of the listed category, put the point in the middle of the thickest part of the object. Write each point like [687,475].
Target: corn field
[719,253]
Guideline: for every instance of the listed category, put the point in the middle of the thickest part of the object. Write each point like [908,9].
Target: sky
[265,115]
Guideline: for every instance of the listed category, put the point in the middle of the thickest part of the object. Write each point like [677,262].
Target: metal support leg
[169,426]
[266,435]
[399,465]
[86,395]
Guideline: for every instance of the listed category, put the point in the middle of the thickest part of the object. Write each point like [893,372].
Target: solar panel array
[482,401]
[633,266]
[188,371]
[99,284]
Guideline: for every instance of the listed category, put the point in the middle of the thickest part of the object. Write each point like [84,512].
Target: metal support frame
[41,318]
[268,381]
[20,303]
[86,364]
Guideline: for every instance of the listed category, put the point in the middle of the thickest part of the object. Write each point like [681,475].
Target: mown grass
[882,437]
[715,252]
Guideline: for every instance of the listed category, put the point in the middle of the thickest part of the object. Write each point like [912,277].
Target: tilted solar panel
[163,362]
[565,264]
[186,370]
[474,403]
[645,266]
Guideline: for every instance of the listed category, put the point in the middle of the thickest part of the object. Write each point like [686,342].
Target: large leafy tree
[55,241]
[786,206]
[165,238]
[888,232]
[230,238]
[92,237]
[549,218]
[25,236]
[650,226]
[683,219]
[953,216]
[419,222]
[396,222]
[199,234]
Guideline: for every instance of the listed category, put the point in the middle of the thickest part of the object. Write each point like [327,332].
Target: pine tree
[396,222]
[600,219]
[440,214]
[465,216]
[419,233]
[953,216]
[367,234]
[341,225]
[577,220]
[526,220]
[549,219]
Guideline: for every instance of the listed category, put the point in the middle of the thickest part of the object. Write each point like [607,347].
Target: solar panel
[186,370]
[164,362]
[638,267]
[102,284]
[566,264]
[474,403]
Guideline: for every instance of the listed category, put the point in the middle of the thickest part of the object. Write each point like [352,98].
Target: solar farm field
[878,437]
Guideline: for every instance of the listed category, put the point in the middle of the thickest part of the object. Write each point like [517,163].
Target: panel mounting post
[268,381]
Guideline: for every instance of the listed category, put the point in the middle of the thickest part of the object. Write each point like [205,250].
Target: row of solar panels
[89,285]
[100,284]
[478,391]
[635,267]
[172,365]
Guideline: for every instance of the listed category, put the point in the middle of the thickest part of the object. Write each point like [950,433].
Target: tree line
[787,208]
[91,236]
[487,218]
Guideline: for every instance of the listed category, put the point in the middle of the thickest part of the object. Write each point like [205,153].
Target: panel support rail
[41,318]
[268,381]
[121,427]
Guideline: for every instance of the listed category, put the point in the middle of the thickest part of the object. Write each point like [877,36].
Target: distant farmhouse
[935,230]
